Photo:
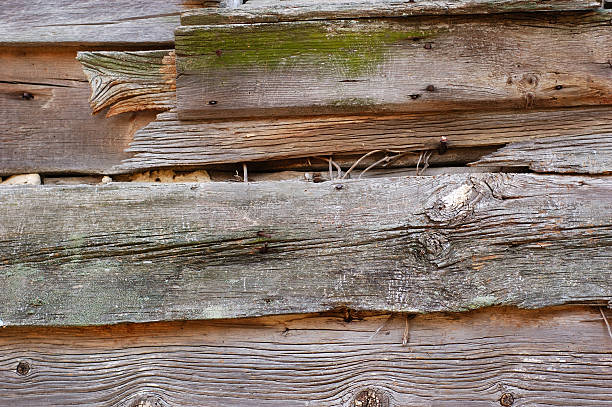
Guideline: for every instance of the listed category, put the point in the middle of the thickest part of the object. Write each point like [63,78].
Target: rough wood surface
[262,11]
[82,255]
[172,142]
[127,81]
[92,22]
[47,125]
[554,357]
[519,61]
[588,154]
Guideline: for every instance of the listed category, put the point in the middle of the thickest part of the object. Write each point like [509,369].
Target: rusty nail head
[506,400]
[23,368]
[430,88]
[218,52]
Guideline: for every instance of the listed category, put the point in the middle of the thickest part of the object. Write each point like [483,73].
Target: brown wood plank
[92,22]
[83,255]
[520,61]
[172,142]
[588,154]
[266,11]
[128,81]
[47,125]
[473,359]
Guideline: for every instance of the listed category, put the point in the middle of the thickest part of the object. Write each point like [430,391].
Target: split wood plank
[92,22]
[87,255]
[270,11]
[47,125]
[169,141]
[473,359]
[590,154]
[438,64]
[128,81]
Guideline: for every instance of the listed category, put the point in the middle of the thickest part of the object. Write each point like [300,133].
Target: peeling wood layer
[92,22]
[519,61]
[586,154]
[270,11]
[224,250]
[130,81]
[474,359]
[47,126]
[169,141]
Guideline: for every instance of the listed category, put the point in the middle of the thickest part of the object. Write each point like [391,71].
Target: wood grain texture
[169,141]
[92,22]
[588,154]
[520,61]
[128,81]
[270,11]
[309,360]
[47,125]
[84,255]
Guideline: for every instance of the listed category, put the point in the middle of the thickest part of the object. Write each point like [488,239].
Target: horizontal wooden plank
[128,81]
[588,154]
[141,252]
[517,61]
[92,22]
[474,359]
[47,125]
[172,142]
[269,11]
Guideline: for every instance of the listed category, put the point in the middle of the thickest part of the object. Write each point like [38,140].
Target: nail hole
[23,368]
[218,52]
[428,45]
[339,186]
[27,96]
[212,102]
[430,88]
[415,96]
[559,87]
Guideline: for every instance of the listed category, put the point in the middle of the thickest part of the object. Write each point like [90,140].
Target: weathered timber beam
[169,141]
[520,61]
[270,11]
[92,22]
[124,81]
[473,359]
[587,154]
[85,255]
[47,126]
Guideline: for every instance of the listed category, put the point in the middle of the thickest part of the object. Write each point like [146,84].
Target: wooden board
[92,22]
[85,255]
[519,61]
[129,81]
[476,359]
[266,11]
[47,125]
[172,142]
[589,154]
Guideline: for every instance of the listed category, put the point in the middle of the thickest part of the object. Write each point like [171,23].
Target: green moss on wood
[352,48]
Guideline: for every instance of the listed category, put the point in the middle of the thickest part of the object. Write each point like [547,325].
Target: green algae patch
[353,48]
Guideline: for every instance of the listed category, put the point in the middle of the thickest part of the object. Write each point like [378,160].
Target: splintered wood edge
[91,255]
[128,81]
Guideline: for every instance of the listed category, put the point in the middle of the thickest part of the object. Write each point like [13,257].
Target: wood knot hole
[371,398]
[506,400]
[23,368]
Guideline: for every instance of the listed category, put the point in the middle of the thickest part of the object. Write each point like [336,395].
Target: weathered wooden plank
[172,142]
[473,359]
[588,154]
[127,81]
[92,22]
[269,11]
[400,65]
[47,126]
[137,252]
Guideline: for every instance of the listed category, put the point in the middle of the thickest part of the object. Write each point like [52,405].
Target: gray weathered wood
[82,255]
[127,81]
[266,11]
[588,154]
[394,65]
[92,22]
[172,142]
[554,357]
[47,125]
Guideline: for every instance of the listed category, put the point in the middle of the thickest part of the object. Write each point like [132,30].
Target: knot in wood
[371,398]
[147,401]
[506,400]
[23,368]
[435,245]
[455,203]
